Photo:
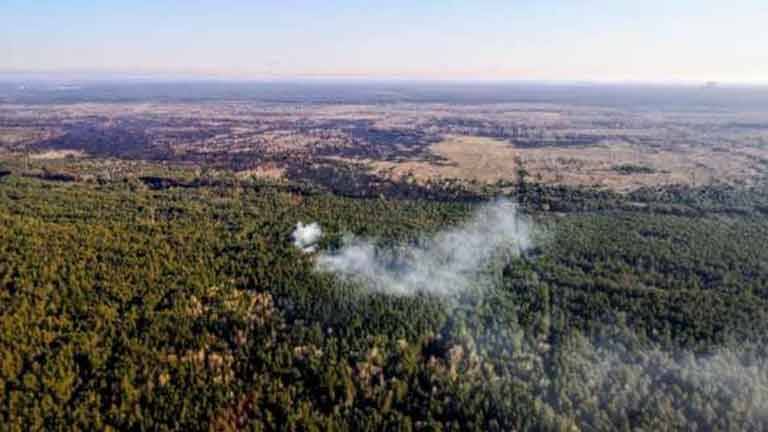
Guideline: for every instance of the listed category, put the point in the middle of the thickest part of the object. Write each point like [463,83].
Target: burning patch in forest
[445,264]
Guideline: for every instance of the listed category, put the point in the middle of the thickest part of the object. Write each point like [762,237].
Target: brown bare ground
[471,158]
[57,154]
[263,171]
[488,160]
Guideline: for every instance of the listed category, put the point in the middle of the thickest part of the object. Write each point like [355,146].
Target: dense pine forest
[138,305]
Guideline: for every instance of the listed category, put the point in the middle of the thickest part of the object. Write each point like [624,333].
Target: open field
[466,157]
[617,166]
[605,147]
[601,147]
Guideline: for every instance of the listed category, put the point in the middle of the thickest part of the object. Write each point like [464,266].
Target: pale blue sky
[599,40]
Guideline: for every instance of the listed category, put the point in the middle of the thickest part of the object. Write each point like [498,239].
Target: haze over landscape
[432,216]
[596,40]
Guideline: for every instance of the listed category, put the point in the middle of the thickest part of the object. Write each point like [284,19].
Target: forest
[173,304]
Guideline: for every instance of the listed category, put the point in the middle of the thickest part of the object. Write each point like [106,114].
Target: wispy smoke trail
[725,388]
[683,384]
[305,237]
[446,264]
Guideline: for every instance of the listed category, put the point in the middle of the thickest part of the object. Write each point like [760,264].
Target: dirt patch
[466,157]
[270,171]
[58,154]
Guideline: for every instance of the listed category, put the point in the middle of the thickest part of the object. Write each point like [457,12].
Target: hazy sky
[637,40]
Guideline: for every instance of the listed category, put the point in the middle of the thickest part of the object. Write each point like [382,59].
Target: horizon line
[86,75]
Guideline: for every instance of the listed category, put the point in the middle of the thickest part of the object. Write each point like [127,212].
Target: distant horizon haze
[655,41]
[80,76]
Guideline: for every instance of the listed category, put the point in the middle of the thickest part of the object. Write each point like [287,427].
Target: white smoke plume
[305,237]
[708,387]
[446,264]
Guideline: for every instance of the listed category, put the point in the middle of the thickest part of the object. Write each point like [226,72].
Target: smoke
[603,385]
[703,387]
[446,264]
[305,237]
[621,380]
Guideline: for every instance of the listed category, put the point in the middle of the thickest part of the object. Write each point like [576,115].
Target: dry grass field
[489,160]
[609,148]
[480,159]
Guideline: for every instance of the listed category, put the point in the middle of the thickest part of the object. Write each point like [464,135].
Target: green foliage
[187,308]
[628,169]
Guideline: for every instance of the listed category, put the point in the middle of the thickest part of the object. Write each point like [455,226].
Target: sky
[548,40]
